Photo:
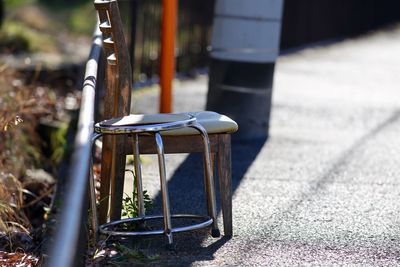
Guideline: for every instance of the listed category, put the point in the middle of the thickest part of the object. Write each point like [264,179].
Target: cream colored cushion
[211,121]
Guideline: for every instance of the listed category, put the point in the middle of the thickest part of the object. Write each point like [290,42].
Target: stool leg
[164,189]
[138,176]
[207,193]
[92,188]
[210,180]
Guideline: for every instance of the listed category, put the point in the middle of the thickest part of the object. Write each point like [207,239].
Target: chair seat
[212,122]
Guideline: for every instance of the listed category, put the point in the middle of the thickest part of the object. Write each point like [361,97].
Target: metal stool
[178,121]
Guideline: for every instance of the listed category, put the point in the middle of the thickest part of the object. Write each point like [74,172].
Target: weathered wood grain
[225,181]
[116,104]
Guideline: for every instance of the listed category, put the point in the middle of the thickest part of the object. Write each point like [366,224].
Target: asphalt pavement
[324,189]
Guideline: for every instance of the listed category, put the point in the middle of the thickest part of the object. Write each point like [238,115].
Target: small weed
[129,203]
[129,254]
[118,254]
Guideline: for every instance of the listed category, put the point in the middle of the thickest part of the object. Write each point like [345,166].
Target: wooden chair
[117,104]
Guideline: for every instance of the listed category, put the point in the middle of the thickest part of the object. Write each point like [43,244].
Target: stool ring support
[155,129]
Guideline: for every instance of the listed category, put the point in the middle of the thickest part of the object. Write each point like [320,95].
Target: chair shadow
[187,195]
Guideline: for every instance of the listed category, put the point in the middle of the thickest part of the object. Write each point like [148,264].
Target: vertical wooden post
[167,61]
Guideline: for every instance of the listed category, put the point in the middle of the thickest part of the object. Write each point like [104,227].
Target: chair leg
[206,186]
[138,176]
[225,181]
[105,181]
[164,189]
[92,188]
[117,177]
[210,181]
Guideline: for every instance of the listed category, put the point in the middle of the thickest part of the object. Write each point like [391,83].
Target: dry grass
[20,109]
[21,106]
[12,217]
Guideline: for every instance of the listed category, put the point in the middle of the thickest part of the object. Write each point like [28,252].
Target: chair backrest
[117,102]
[118,68]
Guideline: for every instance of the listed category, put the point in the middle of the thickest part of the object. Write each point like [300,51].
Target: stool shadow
[151,250]
[187,193]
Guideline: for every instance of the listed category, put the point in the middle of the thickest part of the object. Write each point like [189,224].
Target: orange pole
[167,60]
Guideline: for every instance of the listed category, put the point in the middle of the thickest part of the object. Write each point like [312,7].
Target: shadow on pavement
[186,192]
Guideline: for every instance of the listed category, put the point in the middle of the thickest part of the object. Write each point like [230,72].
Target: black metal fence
[193,36]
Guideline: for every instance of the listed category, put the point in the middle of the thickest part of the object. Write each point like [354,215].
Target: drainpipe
[245,45]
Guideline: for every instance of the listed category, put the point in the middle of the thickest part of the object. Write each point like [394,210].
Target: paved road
[324,189]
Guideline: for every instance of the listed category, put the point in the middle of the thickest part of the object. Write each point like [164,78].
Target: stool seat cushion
[211,121]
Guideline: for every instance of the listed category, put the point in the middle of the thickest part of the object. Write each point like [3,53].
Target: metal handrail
[64,251]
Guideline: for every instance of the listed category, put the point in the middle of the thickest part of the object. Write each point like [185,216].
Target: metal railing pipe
[64,251]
